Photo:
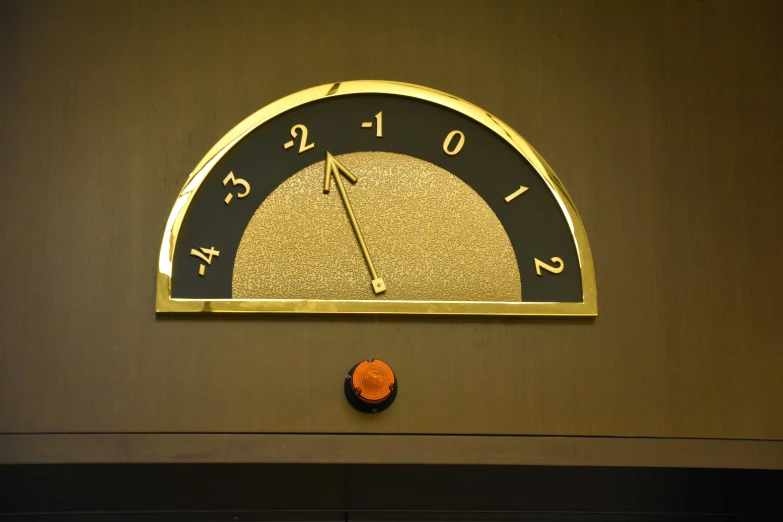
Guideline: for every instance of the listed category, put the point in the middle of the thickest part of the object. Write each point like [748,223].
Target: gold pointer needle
[337,169]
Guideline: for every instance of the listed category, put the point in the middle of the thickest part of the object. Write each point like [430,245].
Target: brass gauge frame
[165,303]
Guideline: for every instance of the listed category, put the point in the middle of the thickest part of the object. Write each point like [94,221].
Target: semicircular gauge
[375,197]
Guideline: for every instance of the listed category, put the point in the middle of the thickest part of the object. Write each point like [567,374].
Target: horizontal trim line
[388,449]
[378,434]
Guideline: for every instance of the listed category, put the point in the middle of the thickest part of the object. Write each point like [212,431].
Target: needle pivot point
[378,286]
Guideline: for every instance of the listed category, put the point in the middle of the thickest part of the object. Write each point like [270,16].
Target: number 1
[379,125]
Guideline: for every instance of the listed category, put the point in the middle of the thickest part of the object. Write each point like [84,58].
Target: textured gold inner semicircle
[431,237]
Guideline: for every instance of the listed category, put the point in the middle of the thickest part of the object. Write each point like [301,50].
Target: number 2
[295,134]
[549,268]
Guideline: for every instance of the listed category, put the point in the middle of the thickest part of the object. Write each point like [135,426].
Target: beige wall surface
[664,120]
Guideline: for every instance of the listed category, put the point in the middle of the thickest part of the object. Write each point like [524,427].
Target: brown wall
[663,119]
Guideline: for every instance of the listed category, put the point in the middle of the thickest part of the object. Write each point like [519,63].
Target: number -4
[206,258]
[549,268]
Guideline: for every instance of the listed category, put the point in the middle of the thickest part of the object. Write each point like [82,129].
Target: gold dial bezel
[165,303]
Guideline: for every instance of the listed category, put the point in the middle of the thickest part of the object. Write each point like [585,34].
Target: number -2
[303,146]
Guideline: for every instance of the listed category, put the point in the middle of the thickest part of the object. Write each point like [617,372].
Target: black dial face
[376,197]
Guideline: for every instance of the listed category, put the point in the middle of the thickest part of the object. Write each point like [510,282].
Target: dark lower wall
[388,493]
[663,119]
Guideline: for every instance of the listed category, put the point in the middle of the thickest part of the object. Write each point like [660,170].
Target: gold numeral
[521,190]
[448,139]
[378,125]
[236,181]
[206,258]
[549,268]
[303,146]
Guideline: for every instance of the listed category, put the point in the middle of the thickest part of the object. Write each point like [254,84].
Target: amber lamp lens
[373,381]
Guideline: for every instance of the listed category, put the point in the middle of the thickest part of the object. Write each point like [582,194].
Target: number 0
[448,140]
